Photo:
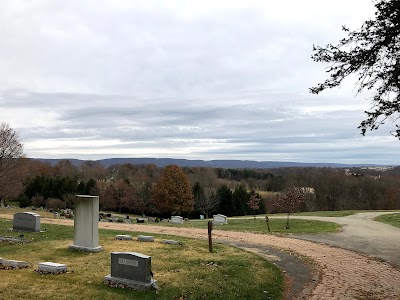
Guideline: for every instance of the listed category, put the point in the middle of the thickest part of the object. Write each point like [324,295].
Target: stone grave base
[171,242]
[51,268]
[86,249]
[8,239]
[123,237]
[135,285]
[13,264]
[145,238]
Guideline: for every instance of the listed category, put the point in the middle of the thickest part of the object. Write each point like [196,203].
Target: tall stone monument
[86,236]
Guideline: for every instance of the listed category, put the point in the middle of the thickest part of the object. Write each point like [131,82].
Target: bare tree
[208,202]
[290,201]
[11,150]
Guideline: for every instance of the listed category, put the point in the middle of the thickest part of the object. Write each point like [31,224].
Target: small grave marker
[14,264]
[220,219]
[171,242]
[145,238]
[123,237]
[176,220]
[51,268]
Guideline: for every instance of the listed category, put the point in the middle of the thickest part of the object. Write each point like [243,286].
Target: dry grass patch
[186,271]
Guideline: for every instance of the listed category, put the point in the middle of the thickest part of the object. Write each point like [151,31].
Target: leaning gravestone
[176,220]
[220,219]
[130,269]
[26,221]
[86,229]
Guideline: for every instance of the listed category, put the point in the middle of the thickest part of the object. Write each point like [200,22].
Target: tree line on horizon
[190,191]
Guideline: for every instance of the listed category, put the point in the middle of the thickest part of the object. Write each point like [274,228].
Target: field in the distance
[185,271]
[259,225]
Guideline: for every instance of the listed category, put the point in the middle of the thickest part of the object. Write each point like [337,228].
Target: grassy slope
[183,270]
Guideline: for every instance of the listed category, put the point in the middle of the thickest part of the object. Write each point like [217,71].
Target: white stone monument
[176,220]
[86,229]
[220,219]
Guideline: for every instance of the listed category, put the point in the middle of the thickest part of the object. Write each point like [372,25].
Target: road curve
[362,234]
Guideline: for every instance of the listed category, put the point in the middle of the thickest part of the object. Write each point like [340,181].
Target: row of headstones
[28,221]
[217,219]
[86,239]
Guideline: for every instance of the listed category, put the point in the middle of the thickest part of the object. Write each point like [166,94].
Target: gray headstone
[52,268]
[132,269]
[123,237]
[26,221]
[220,219]
[176,220]
[151,219]
[145,238]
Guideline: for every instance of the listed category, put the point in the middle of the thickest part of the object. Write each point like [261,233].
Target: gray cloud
[226,79]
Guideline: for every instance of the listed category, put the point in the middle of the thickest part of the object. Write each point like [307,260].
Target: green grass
[260,226]
[391,219]
[182,271]
[337,213]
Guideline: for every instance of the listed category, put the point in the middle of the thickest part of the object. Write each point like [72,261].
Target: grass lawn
[391,219]
[260,226]
[182,271]
[337,213]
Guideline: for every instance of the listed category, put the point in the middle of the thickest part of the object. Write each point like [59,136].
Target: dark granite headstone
[132,269]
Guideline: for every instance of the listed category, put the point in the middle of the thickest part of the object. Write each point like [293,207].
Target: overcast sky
[182,79]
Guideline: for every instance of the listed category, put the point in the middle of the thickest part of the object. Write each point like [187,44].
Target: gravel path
[343,274]
[362,234]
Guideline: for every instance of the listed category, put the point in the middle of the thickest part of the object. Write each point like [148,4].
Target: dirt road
[362,234]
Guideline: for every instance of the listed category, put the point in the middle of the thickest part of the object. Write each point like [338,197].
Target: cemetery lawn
[186,271]
[392,219]
[260,226]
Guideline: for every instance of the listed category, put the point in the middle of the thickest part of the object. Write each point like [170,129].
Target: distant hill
[226,164]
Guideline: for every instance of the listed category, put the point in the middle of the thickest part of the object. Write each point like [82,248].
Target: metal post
[210,228]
